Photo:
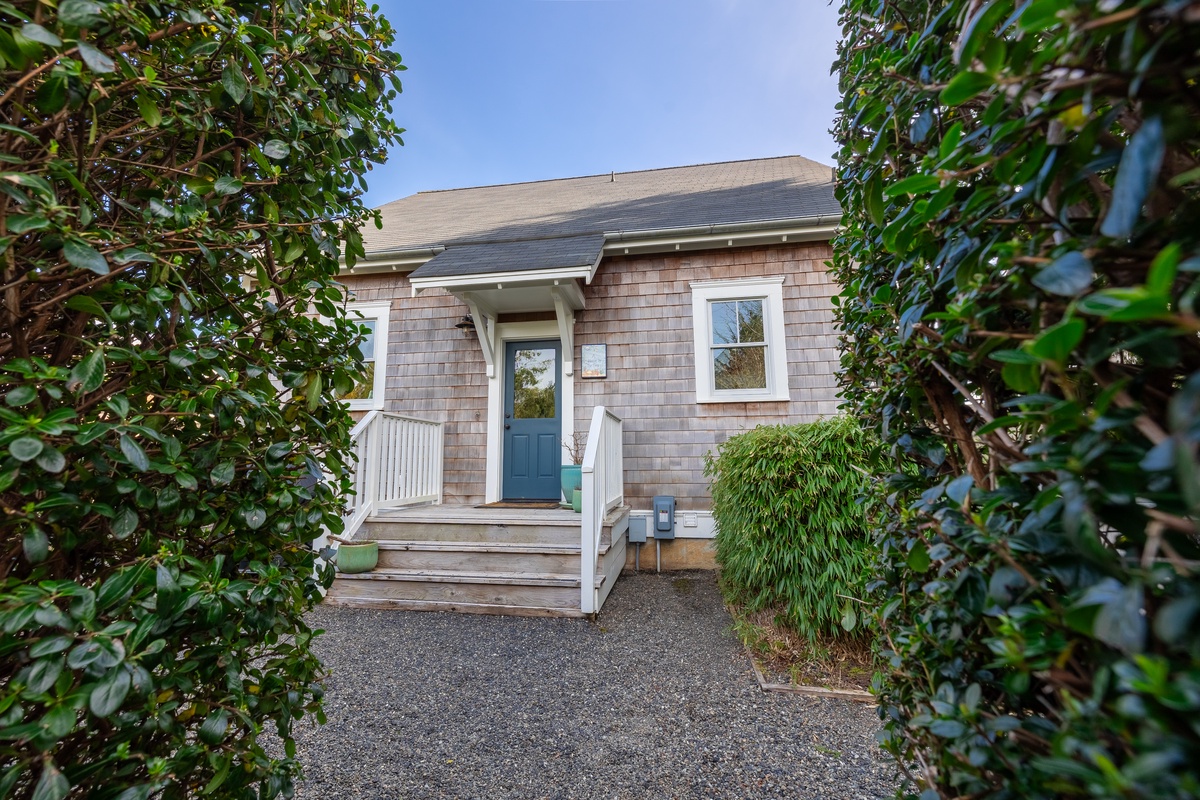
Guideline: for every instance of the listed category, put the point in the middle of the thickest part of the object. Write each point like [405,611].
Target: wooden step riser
[469,532]
[534,563]
[453,608]
[472,593]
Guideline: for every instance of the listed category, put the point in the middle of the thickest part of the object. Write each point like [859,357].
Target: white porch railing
[603,490]
[399,463]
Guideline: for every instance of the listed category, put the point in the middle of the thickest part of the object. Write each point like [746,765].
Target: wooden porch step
[456,608]
[512,590]
[454,576]
[550,531]
[481,557]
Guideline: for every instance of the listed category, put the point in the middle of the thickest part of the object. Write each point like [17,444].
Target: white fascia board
[392,261]
[714,236]
[494,280]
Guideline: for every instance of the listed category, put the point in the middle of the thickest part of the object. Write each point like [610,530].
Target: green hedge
[164,421]
[1020,259]
[791,524]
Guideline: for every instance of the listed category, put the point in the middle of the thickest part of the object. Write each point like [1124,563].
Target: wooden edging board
[813,691]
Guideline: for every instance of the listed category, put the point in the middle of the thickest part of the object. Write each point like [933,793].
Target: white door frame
[515,332]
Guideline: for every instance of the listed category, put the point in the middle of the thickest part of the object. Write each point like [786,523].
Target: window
[741,352]
[369,393]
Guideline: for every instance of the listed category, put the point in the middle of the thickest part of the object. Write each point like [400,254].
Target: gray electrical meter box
[663,517]
[637,530]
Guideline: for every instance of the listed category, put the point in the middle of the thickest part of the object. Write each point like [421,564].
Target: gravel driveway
[655,700]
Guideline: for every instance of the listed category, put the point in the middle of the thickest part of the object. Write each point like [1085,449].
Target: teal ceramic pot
[357,557]
[571,477]
[577,501]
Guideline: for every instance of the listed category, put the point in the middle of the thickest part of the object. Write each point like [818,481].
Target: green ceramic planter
[571,478]
[577,501]
[357,557]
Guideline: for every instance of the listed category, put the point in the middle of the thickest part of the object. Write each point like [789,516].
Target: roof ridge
[601,174]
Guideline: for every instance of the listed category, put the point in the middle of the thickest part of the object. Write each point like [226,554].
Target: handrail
[603,490]
[397,461]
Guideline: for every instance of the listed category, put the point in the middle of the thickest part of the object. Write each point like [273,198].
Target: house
[659,311]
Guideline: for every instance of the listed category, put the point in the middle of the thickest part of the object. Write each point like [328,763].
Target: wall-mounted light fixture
[466,325]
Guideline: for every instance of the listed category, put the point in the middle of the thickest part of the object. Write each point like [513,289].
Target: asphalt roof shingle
[787,187]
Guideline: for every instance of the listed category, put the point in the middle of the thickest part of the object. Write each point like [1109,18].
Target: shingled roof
[764,189]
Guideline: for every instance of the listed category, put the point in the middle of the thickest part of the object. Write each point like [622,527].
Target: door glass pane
[740,368]
[533,383]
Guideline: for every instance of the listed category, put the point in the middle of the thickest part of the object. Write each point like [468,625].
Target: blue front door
[532,420]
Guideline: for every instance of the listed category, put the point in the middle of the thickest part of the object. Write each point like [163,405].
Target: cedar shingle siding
[640,306]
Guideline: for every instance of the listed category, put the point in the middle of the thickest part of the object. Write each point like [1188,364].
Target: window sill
[742,398]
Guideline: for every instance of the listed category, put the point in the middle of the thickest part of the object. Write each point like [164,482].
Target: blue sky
[499,91]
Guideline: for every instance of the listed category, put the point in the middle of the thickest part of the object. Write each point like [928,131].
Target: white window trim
[380,312]
[770,291]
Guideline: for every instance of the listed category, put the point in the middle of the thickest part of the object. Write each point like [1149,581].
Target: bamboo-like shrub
[791,524]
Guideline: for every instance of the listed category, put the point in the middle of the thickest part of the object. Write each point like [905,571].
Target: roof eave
[732,234]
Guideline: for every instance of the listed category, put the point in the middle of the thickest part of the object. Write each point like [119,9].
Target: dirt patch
[785,657]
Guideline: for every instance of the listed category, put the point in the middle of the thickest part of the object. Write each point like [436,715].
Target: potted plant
[361,555]
[571,475]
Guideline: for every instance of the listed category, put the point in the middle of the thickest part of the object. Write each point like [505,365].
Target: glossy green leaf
[124,523]
[148,108]
[88,375]
[1068,275]
[222,474]
[25,448]
[965,86]
[918,558]
[51,460]
[110,693]
[134,454]
[276,149]
[96,60]
[52,784]
[214,727]
[36,33]
[1137,173]
[1056,342]
[234,83]
[20,396]
[83,256]
[915,184]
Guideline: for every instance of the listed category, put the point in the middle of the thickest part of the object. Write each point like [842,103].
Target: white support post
[587,547]
[566,329]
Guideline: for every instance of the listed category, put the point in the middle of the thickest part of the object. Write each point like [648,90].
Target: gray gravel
[655,700]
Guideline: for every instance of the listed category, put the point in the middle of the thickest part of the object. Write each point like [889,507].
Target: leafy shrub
[1020,267]
[791,525]
[175,182]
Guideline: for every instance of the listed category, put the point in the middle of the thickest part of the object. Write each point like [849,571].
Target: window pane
[750,321]
[533,384]
[366,389]
[724,323]
[739,368]
[367,348]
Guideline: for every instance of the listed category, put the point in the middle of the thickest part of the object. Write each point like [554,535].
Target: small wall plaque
[595,360]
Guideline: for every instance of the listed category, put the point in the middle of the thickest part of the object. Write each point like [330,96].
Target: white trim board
[514,332]
[770,291]
[705,527]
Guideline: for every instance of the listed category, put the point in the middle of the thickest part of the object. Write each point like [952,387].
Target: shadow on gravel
[654,700]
